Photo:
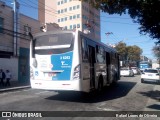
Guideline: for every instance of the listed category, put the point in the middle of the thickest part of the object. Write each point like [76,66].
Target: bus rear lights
[77,68]
[76,74]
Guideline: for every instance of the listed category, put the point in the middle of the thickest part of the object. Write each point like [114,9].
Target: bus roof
[107,47]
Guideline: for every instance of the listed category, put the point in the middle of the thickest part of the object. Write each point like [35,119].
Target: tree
[144,12]
[122,50]
[156,51]
[128,53]
[134,53]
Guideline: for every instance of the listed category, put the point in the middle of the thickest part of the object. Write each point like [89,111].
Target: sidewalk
[153,103]
[14,86]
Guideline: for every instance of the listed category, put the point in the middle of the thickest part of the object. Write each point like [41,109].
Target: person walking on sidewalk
[8,77]
[2,77]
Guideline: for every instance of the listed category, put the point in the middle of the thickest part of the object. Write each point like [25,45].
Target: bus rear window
[54,40]
[54,43]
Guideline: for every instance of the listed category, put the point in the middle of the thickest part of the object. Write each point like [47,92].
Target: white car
[136,71]
[126,72]
[152,75]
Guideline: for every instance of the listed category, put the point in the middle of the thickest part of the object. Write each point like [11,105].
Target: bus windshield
[54,43]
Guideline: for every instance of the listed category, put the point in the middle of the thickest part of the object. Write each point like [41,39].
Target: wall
[6,41]
[10,64]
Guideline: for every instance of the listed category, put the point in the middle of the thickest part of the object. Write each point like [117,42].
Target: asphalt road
[128,95]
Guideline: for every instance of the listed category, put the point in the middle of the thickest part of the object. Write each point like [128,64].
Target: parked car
[136,70]
[152,75]
[126,72]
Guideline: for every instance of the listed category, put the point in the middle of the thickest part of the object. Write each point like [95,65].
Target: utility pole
[16,26]
[107,34]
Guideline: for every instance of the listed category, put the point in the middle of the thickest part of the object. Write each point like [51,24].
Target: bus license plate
[51,74]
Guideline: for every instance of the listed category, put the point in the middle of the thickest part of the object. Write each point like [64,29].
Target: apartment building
[71,14]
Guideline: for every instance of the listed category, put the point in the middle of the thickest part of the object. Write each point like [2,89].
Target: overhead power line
[13,34]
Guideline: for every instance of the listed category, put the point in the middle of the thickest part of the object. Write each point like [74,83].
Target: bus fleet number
[65,57]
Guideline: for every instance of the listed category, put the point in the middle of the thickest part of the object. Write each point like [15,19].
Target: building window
[62,11]
[65,1]
[78,25]
[58,3]
[65,10]
[78,15]
[59,11]
[65,18]
[1,25]
[70,26]
[70,8]
[74,26]
[61,2]
[70,17]
[74,16]
[59,20]
[78,6]
[27,29]
[74,7]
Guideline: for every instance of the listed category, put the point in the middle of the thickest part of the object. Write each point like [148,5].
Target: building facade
[14,45]
[71,14]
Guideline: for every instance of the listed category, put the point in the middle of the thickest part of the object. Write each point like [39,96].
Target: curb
[14,88]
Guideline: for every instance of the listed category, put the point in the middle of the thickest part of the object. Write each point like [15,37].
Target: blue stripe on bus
[62,62]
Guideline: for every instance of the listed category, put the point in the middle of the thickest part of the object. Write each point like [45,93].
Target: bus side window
[100,54]
[84,50]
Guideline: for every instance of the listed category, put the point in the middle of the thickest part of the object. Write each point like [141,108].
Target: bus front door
[91,62]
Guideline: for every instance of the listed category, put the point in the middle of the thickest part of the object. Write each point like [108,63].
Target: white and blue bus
[144,65]
[71,61]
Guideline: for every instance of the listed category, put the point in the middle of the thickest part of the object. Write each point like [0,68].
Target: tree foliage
[128,52]
[144,12]
[156,51]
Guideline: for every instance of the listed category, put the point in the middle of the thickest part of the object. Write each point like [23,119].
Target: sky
[122,28]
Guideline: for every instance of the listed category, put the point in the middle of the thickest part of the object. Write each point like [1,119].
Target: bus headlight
[76,74]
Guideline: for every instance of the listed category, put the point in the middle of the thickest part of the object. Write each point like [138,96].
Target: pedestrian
[8,77]
[2,77]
